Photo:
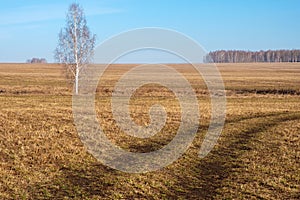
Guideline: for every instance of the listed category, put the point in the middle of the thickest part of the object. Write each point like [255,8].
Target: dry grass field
[257,155]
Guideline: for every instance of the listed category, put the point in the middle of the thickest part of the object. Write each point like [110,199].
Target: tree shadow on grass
[79,181]
[203,179]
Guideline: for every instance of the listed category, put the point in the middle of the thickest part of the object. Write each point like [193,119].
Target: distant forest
[237,56]
[36,60]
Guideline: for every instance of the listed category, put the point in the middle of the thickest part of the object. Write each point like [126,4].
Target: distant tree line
[36,60]
[237,56]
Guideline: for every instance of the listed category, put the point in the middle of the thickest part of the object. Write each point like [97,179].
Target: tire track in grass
[224,159]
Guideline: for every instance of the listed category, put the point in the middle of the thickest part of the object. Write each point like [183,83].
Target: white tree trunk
[76,79]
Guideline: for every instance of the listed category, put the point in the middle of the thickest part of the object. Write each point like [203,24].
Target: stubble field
[257,155]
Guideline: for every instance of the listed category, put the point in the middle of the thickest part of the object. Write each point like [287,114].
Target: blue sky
[29,28]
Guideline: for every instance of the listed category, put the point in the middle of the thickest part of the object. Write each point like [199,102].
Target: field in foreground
[257,155]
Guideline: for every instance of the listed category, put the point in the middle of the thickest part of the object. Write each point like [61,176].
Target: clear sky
[29,28]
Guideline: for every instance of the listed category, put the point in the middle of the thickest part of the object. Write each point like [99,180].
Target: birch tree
[75,44]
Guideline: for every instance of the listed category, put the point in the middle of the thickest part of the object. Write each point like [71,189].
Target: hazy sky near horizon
[29,28]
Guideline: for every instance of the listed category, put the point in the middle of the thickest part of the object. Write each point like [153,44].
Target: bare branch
[76,43]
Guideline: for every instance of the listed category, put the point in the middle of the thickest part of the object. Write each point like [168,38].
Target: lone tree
[76,43]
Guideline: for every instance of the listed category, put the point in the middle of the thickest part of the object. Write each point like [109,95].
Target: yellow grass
[257,155]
